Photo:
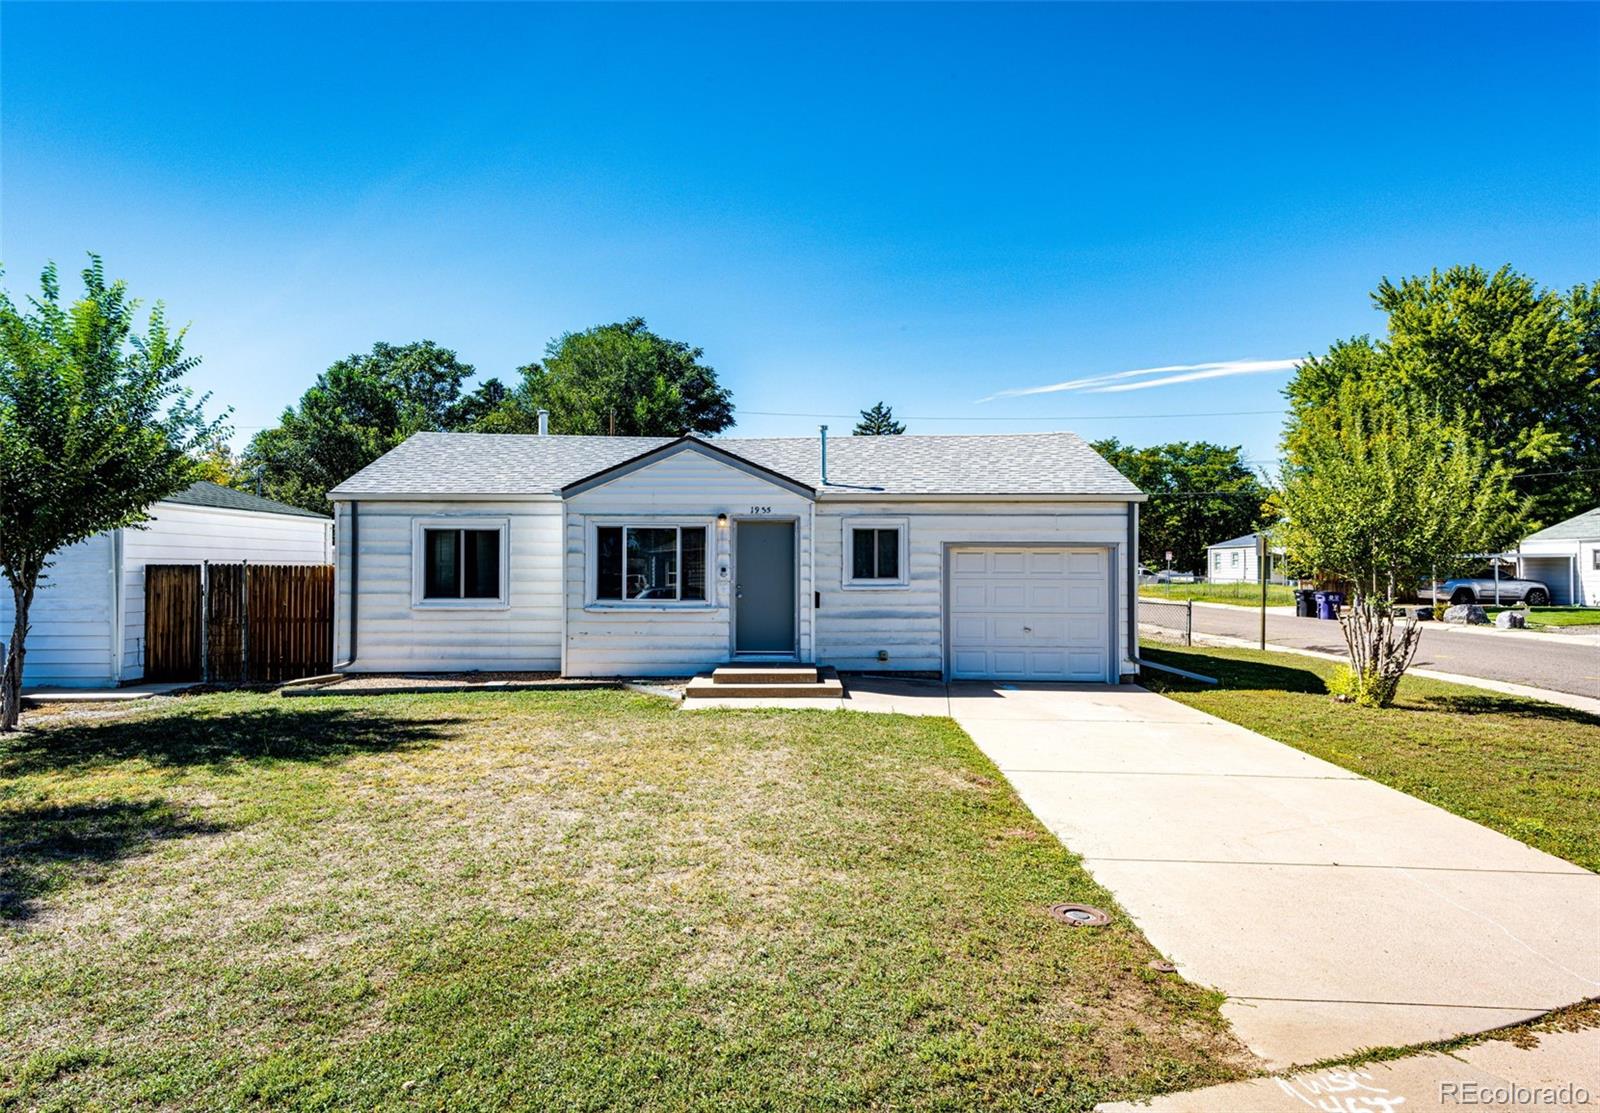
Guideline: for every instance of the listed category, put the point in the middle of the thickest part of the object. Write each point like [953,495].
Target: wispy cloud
[1139,379]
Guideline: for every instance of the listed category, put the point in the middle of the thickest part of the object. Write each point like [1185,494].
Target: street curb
[1544,695]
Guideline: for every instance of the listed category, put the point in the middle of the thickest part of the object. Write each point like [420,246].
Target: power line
[1049,417]
[1236,494]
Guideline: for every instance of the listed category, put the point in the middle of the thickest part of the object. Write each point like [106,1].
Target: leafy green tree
[878,422]
[95,426]
[1200,493]
[617,379]
[1522,363]
[1376,493]
[218,464]
[357,410]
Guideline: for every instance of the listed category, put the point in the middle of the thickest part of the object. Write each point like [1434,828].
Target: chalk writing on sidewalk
[1341,1091]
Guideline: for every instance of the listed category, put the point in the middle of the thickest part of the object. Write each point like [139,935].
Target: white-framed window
[1233,559]
[460,562]
[1595,553]
[876,552]
[1216,561]
[650,563]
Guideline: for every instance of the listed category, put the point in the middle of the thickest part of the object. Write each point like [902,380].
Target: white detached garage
[995,557]
[87,619]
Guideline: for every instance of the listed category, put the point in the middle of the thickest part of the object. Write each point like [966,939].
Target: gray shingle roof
[1580,527]
[205,493]
[1248,541]
[985,464]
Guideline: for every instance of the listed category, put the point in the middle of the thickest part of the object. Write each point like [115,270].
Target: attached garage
[1031,613]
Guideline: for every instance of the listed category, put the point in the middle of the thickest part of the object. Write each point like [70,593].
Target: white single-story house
[87,619]
[1566,557]
[964,556]
[1236,561]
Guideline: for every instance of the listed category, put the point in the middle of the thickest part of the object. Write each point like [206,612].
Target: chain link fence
[1174,618]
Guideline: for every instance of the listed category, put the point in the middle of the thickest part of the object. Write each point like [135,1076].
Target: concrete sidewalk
[1336,914]
[1561,1072]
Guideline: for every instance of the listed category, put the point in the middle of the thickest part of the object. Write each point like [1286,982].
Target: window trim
[420,602]
[847,580]
[591,563]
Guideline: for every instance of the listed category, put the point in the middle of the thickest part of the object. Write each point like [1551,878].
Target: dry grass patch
[555,899]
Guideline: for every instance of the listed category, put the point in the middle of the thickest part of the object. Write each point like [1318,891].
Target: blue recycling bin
[1328,603]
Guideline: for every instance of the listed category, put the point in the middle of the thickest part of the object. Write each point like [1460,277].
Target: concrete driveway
[1335,913]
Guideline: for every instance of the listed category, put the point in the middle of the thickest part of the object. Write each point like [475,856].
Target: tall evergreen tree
[878,422]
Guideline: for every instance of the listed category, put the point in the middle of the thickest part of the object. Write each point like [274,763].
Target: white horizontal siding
[393,635]
[629,641]
[182,534]
[907,623]
[72,622]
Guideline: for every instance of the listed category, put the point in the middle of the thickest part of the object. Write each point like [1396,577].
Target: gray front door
[763,591]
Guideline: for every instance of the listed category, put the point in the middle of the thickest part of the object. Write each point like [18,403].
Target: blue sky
[928,205]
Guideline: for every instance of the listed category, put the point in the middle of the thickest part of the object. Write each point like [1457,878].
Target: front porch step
[764,674]
[824,684]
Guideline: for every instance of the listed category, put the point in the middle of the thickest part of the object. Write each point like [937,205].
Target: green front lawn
[1246,595]
[1528,769]
[1556,616]
[555,900]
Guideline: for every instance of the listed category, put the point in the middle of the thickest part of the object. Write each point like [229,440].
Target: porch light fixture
[722,519]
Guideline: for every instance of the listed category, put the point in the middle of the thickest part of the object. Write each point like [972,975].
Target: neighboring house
[87,619]
[1236,561]
[967,556]
[1566,558]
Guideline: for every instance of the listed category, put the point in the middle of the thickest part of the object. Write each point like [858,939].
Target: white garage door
[1030,614]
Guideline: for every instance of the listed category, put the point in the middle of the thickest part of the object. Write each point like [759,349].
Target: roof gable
[684,444]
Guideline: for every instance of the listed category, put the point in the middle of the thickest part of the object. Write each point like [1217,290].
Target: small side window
[459,565]
[875,553]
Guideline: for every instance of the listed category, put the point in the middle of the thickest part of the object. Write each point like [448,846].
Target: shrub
[1370,690]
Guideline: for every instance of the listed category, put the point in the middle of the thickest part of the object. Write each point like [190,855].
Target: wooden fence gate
[237,623]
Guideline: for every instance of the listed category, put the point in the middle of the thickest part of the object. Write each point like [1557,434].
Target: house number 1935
[761,510]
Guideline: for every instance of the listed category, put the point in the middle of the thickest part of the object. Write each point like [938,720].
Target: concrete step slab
[705,688]
[764,674]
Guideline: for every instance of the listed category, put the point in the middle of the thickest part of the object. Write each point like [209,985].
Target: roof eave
[865,494]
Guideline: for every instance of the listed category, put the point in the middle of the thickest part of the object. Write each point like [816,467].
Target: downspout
[119,615]
[355,570]
[1133,582]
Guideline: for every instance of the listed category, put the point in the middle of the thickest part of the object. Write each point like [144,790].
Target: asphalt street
[1538,661]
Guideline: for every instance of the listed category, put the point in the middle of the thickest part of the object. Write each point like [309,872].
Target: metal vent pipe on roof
[824,429]
[544,423]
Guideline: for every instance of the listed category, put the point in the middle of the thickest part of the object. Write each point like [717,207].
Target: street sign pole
[1261,574]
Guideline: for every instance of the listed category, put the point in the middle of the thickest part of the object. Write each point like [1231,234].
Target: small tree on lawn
[94,428]
[878,422]
[1377,491]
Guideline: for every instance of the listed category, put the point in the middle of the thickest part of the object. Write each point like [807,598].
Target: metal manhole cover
[1079,915]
